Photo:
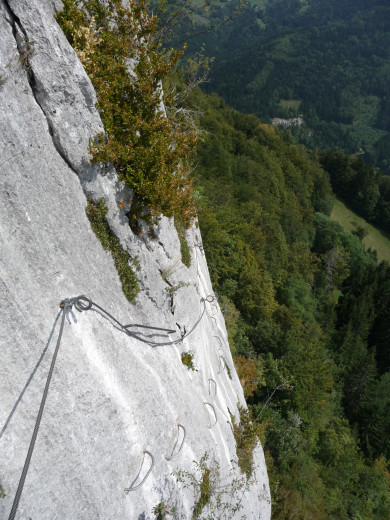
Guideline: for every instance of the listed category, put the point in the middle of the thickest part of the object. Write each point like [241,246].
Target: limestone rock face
[112,397]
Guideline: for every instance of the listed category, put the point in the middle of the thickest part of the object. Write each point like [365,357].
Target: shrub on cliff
[123,57]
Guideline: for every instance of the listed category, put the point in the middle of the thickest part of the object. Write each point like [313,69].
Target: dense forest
[327,60]
[306,307]
[307,315]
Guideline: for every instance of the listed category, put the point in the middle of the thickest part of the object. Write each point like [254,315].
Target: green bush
[187,360]
[246,434]
[221,495]
[151,152]
[205,493]
[161,511]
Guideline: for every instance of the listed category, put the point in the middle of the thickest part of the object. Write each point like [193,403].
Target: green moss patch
[96,213]
[184,248]
[187,360]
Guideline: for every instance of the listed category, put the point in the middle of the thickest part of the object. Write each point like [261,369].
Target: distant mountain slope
[328,60]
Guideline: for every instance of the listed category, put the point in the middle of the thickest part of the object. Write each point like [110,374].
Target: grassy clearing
[294,104]
[374,239]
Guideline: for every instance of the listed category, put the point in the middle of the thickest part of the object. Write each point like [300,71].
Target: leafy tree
[307,307]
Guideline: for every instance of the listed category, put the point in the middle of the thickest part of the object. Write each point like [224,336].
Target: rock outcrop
[286,123]
[112,397]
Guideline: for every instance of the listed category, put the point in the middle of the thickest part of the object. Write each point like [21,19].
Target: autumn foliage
[248,374]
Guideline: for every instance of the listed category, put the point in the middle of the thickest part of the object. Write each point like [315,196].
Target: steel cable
[125,328]
[83,303]
[19,490]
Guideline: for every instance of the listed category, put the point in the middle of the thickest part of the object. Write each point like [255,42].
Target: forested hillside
[327,60]
[307,314]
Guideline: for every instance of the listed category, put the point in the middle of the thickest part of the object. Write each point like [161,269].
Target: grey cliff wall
[111,396]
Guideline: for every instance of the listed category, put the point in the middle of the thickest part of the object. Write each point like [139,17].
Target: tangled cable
[83,303]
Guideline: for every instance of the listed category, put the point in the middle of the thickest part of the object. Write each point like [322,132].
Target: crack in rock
[26,50]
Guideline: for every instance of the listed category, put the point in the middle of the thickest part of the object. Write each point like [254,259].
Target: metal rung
[177,440]
[215,388]
[132,487]
[222,364]
[215,414]
[219,339]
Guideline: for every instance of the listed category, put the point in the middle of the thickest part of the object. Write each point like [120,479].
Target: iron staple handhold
[219,339]
[215,414]
[131,488]
[177,440]
[223,363]
[215,387]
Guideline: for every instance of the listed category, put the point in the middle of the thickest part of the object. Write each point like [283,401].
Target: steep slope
[310,333]
[112,397]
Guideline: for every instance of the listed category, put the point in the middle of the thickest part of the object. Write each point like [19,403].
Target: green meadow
[374,239]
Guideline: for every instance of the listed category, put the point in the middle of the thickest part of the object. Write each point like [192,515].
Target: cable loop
[175,342]
[131,488]
[81,303]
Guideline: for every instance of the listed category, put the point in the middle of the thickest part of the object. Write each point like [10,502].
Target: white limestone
[286,123]
[111,397]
